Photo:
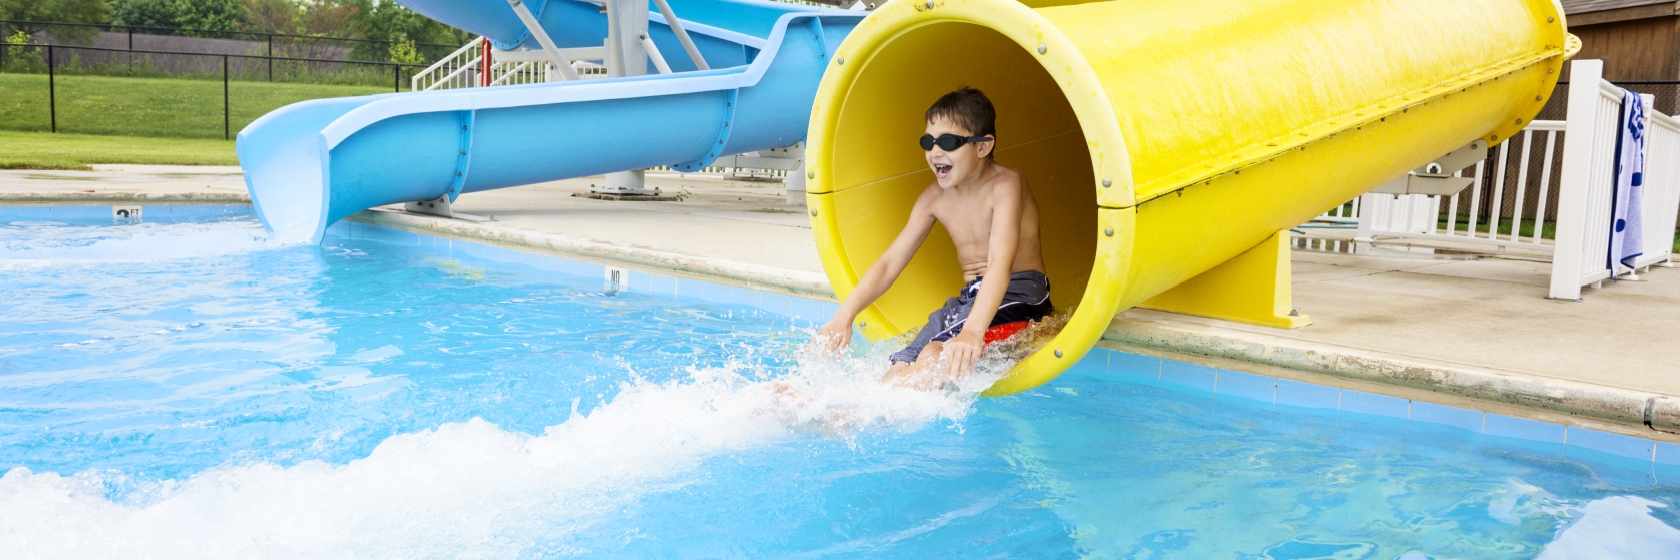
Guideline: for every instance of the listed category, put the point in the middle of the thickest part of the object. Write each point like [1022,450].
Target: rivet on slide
[813,212]
[1108,231]
[810,174]
[1107,183]
[1058,352]
[840,60]
[1042,49]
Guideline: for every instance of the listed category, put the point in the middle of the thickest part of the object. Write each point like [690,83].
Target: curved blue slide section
[310,164]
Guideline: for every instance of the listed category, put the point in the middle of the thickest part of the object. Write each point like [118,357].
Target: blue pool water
[183,387]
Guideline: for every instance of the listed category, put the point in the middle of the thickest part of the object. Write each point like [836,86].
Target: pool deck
[1467,329]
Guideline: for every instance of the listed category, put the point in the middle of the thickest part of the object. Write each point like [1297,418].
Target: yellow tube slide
[1161,138]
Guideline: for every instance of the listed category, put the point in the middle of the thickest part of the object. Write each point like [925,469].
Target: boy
[992,219]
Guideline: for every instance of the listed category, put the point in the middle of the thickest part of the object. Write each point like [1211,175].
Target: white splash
[469,489]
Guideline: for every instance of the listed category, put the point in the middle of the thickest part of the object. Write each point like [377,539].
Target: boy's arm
[837,333]
[964,349]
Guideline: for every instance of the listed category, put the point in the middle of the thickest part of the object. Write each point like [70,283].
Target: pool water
[183,387]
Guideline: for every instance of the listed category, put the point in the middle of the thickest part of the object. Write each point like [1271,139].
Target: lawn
[43,150]
[1526,231]
[158,107]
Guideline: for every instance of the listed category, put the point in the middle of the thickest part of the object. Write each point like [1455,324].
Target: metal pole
[52,93]
[226,129]
[131,50]
[682,34]
[270,58]
[484,62]
[396,78]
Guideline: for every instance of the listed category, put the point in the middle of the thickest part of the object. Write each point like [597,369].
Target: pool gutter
[1636,412]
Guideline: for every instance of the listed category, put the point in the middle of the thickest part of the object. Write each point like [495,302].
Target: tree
[210,14]
[189,14]
[71,11]
[272,16]
[387,21]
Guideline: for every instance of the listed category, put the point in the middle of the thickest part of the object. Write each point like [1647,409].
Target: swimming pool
[179,386]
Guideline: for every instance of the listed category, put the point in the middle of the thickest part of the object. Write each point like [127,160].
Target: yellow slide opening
[1161,138]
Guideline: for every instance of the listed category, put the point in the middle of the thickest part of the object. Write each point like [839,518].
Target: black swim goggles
[949,142]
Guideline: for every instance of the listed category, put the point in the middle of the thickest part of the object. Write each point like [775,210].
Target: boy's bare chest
[966,218]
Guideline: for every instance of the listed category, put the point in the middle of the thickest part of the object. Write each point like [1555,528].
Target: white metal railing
[1662,189]
[458,69]
[1459,218]
[1581,150]
[468,67]
[1589,183]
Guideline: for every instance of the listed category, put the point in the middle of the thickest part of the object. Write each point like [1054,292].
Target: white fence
[1566,164]
[476,65]
[1584,205]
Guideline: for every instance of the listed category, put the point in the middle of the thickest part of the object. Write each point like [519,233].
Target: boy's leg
[912,375]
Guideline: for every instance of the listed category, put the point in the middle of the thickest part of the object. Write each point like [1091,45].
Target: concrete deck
[1475,328]
[123,183]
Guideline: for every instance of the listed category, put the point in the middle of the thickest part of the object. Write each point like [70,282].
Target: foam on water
[470,489]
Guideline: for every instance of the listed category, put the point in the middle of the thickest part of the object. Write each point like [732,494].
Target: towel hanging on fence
[1627,211]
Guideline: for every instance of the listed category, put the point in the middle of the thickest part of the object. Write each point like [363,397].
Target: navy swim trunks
[1027,299]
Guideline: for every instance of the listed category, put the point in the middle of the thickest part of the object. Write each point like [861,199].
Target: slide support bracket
[1253,288]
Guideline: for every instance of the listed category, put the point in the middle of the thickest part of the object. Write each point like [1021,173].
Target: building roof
[1593,12]
[1572,7]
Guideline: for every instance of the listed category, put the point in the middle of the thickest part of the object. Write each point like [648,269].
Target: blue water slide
[310,164]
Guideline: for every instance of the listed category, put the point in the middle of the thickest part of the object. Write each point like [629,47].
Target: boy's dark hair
[967,108]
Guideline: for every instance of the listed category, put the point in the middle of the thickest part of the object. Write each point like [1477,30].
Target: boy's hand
[961,352]
[834,336]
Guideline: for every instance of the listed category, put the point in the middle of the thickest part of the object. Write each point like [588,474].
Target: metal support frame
[682,34]
[537,32]
[653,54]
[627,22]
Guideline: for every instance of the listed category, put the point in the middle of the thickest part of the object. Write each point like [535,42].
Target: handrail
[414,82]
[468,65]
[509,73]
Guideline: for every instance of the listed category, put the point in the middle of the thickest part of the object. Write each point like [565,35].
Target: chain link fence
[93,90]
[220,41]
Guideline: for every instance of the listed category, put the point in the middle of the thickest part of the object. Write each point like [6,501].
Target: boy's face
[954,167]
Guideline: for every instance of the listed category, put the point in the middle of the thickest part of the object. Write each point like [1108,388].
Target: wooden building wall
[1637,49]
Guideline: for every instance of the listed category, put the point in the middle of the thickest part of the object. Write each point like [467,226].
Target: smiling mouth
[941,170]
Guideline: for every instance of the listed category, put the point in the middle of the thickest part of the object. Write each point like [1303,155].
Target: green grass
[1527,227]
[1547,230]
[157,107]
[43,150]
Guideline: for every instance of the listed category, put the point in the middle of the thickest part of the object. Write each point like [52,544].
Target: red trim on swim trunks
[1001,332]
